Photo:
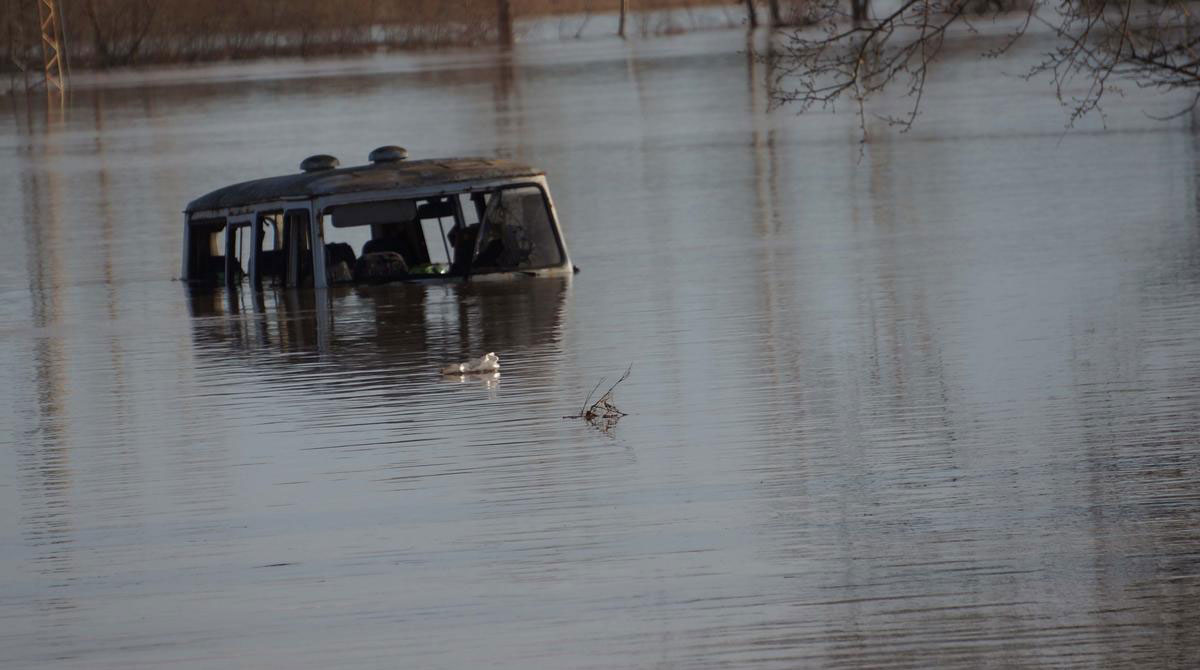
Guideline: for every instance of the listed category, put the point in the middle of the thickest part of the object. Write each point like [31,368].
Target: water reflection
[369,328]
[42,438]
[507,106]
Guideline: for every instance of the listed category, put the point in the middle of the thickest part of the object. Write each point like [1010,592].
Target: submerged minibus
[392,219]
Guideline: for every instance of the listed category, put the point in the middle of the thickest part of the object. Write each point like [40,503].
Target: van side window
[206,251]
[272,265]
[240,247]
[436,219]
[340,246]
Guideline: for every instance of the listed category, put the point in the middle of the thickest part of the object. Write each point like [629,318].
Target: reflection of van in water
[415,220]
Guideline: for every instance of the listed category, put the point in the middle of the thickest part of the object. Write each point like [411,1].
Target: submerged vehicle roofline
[321,181]
[325,201]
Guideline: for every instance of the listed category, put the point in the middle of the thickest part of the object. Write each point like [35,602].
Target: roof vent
[388,154]
[318,163]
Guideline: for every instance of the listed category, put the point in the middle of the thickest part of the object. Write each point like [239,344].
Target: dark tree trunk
[751,14]
[504,21]
[776,18]
[858,10]
[99,39]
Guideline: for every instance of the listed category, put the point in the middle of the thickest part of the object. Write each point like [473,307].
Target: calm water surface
[931,402]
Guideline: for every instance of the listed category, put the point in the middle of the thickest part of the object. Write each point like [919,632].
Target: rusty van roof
[380,176]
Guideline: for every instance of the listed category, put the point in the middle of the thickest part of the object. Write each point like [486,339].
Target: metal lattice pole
[52,47]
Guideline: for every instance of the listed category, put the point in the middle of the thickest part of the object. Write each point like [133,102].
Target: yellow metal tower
[52,45]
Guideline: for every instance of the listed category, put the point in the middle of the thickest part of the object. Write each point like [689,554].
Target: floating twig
[603,413]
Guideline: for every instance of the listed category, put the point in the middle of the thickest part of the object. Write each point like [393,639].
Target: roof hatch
[319,163]
[388,154]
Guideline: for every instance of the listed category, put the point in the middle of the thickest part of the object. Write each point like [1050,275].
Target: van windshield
[516,232]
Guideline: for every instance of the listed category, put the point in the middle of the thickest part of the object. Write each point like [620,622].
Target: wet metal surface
[934,405]
[388,176]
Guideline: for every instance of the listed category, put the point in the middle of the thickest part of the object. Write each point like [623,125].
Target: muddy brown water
[935,402]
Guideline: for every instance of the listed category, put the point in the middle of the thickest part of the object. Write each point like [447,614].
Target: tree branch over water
[848,58]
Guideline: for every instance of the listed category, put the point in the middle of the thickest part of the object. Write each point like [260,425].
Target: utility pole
[52,45]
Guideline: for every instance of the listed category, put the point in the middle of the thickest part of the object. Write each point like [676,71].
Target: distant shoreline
[169,32]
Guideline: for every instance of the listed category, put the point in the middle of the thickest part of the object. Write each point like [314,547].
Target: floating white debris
[485,364]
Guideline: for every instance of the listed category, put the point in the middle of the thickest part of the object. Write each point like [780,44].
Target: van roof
[380,176]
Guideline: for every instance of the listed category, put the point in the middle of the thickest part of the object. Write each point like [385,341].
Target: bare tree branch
[1101,44]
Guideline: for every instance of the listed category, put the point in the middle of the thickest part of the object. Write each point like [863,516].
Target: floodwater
[934,401]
